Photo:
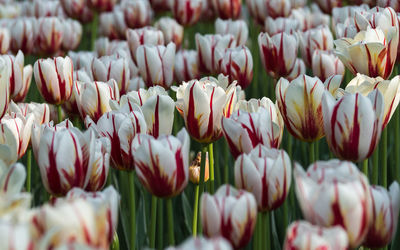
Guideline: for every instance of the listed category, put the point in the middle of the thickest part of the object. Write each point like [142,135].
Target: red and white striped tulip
[229,213]
[310,18]
[40,111]
[26,83]
[53,78]
[186,66]
[325,200]
[156,64]
[136,83]
[171,29]
[278,53]
[267,174]
[281,24]
[162,178]
[77,9]
[278,8]
[5,38]
[353,124]
[92,98]
[8,146]
[70,106]
[300,103]
[258,10]
[237,64]
[186,12]
[47,8]
[101,5]
[50,35]
[302,235]
[4,87]
[227,9]
[159,5]
[109,26]
[137,13]
[386,204]
[23,34]
[328,5]
[237,28]
[201,243]
[17,70]
[143,36]
[298,69]
[389,3]
[325,64]
[16,236]
[72,30]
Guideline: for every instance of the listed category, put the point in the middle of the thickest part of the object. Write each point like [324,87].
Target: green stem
[160,224]
[59,113]
[311,152]
[94,28]
[226,165]
[256,235]
[153,221]
[365,167]
[375,166]
[285,213]
[265,231]
[397,145]
[170,214]
[115,243]
[384,158]
[316,150]
[290,145]
[28,170]
[211,163]
[202,175]
[131,176]
[196,210]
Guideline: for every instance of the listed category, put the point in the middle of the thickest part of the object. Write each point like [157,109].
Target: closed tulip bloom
[82,60]
[281,24]
[389,3]
[186,12]
[121,128]
[70,106]
[342,14]
[16,67]
[258,10]
[385,205]
[227,9]
[162,178]
[4,87]
[50,35]
[143,36]
[325,64]
[16,236]
[40,111]
[278,8]
[325,200]
[319,38]
[92,98]
[267,174]
[137,13]
[390,90]
[47,8]
[72,34]
[300,103]
[156,64]
[309,18]
[108,26]
[201,243]
[77,9]
[5,39]
[237,28]
[301,235]
[8,146]
[278,53]
[53,78]
[229,213]
[172,30]
[211,49]
[26,83]
[136,83]
[328,5]
[23,34]
[101,5]
[353,124]
[186,66]
[237,64]
[253,105]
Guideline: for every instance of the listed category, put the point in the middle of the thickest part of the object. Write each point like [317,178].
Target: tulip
[201,243]
[325,200]
[47,8]
[156,64]
[301,235]
[278,53]
[82,60]
[344,30]
[186,66]
[135,84]
[237,64]
[158,109]
[319,38]
[310,18]
[281,24]
[211,49]
[72,34]
[342,14]
[237,28]
[258,10]
[40,111]
[229,213]
[4,40]
[23,34]
[8,146]
[143,36]
[298,69]
[92,98]
[389,3]
[101,5]
[16,236]
[16,66]
[253,105]
[121,128]
[119,21]
[172,31]
[4,87]
[203,104]
[266,173]
[227,9]
[278,8]
[385,205]
[194,169]
[325,64]
[26,83]
[186,12]
[137,13]
[359,120]
[50,34]
[300,103]
[53,78]
[328,5]
[77,9]
[108,26]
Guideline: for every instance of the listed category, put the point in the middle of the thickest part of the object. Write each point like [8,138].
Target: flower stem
[265,231]
[226,165]
[94,29]
[375,166]
[311,152]
[365,167]
[316,150]
[170,214]
[289,144]
[160,225]
[153,221]
[256,235]
[202,175]
[211,163]
[384,158]
[131,176]
[28,170]
[115,243]
[59,113]
[196,210]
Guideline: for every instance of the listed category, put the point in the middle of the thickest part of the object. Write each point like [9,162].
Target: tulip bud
[281,24]
[237,226]
[201,243]
[136,83]
[16,236]
[108,26]
[278,8]
[137,13]
[194,169]
[328,5]
[77,9]
[82,60]
[4,40]
[156,64]
[26,83]
[227,9]
[47,8]
[326,64]
[4,87]
[389,3]
[53,78]
[186,66]
[237,28]
[143,36]
[278,53]
[301,235]
[101,5]
[320,38]
[72,34]
[50,34]
[309,18]
[16,66]
[40,111]
[172,31]
[237,64]
[162,178]
[186,12]
[23,34]
[258,10]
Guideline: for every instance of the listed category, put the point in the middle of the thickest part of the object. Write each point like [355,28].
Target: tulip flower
[101,5]
[258,10]
[342,14]
[186,66]
[298,69]
[143,36]
[227,9]
[194,169]
[319,38]
[328,5]
[50,34]
[136,83]
[77,9]
[108,25]
[325,200]
[345,30]
[281,24]
[156,64]
[40,111]
[300,103]
[16,236]
[5,38]
[121,128]
[186,12]
[389,3]
[82,60]
[53,78]
[211,49]
[203,104]
[162,178]
[253,105]
[26,83]
[17,70]
[369,52]
[309,18]
[385,205]
[4,87]
[237,28]
[158,108]
[8,146]
[359,120]
[237,64]
[72,34]
[266,173]
[325,64]
[172,30]
[23,34]
[201,243]
[278,8]
[47,8]
[137,13]
[278,53]
[92,98]
[301,235]
[229,213]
